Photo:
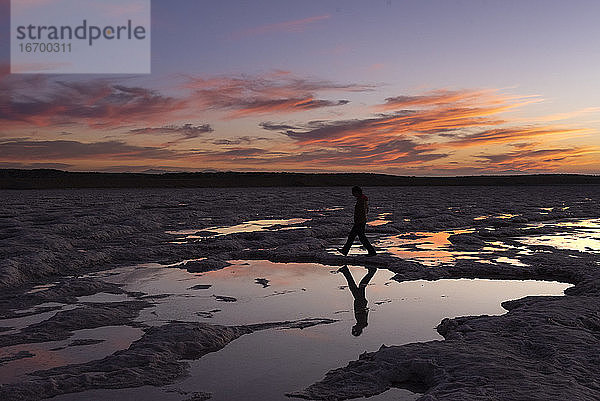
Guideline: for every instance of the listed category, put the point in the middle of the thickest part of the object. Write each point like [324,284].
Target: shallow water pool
[267,364]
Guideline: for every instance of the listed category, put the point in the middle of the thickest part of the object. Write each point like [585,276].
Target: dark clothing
[361,312]
[358,229]
[360,209]
[360,220]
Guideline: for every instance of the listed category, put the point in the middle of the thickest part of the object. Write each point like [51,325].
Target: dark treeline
[46,179]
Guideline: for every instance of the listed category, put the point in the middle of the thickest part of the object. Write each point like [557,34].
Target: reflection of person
[360,220]
[361,312]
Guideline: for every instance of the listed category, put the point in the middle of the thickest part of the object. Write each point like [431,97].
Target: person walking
[360,220]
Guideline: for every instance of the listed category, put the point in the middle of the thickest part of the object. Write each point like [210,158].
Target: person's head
[357,191]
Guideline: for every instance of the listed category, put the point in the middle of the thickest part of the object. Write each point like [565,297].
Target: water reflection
[428,248]
[361,311]
[267,364]
[435,249]
[83,346]
[41,288]
[245,227]
[499,216]
[382,218]
[577,235]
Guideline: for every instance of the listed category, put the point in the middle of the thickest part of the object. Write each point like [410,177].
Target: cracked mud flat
[542,349]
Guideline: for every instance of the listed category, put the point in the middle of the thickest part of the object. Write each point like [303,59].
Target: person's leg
[350,280]
[351,237]
[365,241]
[362,286]
[365,280]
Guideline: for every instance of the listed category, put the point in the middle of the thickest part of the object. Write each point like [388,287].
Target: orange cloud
[510,134]
[536,159]
[433,131]
[455,117]
[438,124]
[445,97]
[45,101]
[569,115]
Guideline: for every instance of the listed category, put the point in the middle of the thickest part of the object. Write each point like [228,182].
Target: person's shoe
[342,251]
[372,253]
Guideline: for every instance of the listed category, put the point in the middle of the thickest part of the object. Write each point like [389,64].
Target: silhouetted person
[360,220]
[361,312]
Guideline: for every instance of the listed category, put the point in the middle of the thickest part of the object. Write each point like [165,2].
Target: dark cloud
[393,152]
[508,134]
[324,130]
[242,152]
[270,126]
[440,122]
[20,165]
[40,101]
[242,140]
[527,154]
[390,125]
[448,125]
[61,149]
[523,145]
[534,160]
[187,131]
[405,132]
[438,98]
[274,93]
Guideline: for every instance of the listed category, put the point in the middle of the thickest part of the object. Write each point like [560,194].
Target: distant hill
[46,179]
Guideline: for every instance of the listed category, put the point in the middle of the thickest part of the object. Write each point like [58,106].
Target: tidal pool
[434,249]
[577,235]
[83,346]
[266,365]
[245,227]
[382,218]
[428,248]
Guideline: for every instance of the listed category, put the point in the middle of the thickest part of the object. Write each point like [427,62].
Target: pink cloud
[279,92]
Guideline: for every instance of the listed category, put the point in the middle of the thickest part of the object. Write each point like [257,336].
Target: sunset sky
[402,87]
